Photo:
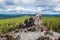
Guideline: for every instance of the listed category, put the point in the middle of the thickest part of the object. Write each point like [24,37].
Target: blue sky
[29,6]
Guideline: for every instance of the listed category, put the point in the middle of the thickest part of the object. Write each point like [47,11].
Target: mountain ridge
[2,16]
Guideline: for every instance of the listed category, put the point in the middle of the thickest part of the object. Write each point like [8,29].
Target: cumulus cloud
[19,9]
[20,5]
[23,1]
[57,9]
[46,2]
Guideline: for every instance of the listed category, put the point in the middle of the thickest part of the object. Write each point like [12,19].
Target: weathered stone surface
[30,35]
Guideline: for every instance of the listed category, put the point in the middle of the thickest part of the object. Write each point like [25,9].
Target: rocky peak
[32,29]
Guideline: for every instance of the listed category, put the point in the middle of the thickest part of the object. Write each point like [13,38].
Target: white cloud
[1,1]
[2,10]
[19,9]
[46,2]
[57,9]
[38,9]
[38,3]
[27,1]
[9,9]
[19,2]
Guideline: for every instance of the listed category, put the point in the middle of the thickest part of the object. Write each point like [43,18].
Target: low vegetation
[6,24]
[51,22]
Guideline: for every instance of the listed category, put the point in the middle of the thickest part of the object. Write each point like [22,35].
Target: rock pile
[32,29]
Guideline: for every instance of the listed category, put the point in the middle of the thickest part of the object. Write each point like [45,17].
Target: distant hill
[2,16]
[54,15]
